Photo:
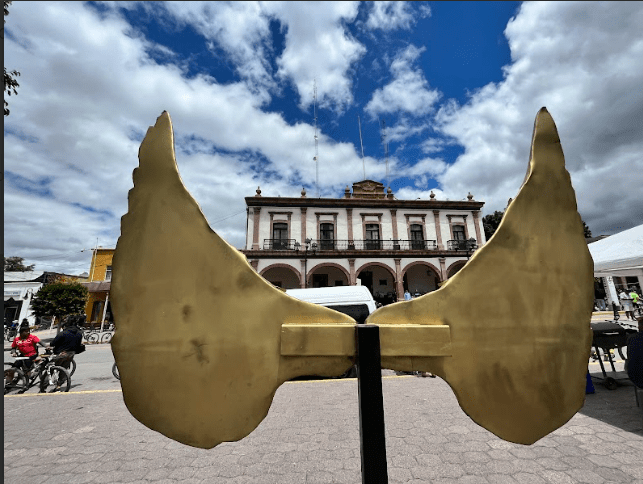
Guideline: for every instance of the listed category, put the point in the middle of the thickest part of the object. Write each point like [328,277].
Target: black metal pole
[371,405]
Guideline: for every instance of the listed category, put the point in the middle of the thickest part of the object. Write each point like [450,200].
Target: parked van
[354,301]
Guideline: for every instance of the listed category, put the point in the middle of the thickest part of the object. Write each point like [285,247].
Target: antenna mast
[359,123]
[385,143]
[316,140]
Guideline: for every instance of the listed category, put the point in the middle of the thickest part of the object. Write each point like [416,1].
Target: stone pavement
[311,436]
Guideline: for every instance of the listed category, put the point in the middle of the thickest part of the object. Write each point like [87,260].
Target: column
[476,224]
[353,279]
[438,232]
[255,264]
[349,221]
[399,285]
[303,226]
[302,279]
[256,211]
[443,268]
[394,221]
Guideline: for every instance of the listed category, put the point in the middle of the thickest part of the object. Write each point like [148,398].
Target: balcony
[463,245]
[279,244]
[340,245]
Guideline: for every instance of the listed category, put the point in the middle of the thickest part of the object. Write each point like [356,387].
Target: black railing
[319,245]
[279,244]
[374,244]
[465,245]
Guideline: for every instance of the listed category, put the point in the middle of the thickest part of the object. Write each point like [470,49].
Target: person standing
[407,295]
[599,294]
[626,302]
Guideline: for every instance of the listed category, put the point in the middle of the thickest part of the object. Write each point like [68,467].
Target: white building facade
[368,238]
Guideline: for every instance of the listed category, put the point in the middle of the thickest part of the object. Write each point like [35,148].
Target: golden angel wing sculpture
[203,342]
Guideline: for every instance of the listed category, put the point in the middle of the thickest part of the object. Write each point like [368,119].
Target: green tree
[490,223]
[12,264]
[588,233]
[59,299]
[10,83]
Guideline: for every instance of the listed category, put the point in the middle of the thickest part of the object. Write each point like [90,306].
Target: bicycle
[12,331]
[46,370]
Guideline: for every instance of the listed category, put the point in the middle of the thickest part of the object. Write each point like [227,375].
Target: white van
[354,301]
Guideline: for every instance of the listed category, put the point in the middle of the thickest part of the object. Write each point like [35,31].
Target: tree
[59,299]
[10,83]
[12,264]
[490,223]
[588,233]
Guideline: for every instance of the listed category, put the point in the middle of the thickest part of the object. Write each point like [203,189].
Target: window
[280,236]
[417,237]
[327,234]
[458,232]
[108,273]
[372,236]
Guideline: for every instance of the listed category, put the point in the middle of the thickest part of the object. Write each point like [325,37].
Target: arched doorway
[282,275]
[380,280]
[327,274]
[455,267]
[421,278]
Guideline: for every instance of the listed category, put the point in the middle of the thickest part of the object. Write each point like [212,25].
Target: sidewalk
[311,436]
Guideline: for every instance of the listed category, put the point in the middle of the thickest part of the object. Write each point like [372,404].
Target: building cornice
[363,203]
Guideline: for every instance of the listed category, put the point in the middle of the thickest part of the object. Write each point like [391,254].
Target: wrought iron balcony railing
[465,245]
[279,244]
[341,245]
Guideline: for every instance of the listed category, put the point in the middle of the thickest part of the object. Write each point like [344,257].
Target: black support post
[371,405]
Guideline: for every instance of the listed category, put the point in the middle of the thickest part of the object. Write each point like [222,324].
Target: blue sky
[457,84]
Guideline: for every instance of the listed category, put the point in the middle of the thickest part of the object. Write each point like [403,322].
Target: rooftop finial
[258,192]
[469,196]
[303,192]
[432,195]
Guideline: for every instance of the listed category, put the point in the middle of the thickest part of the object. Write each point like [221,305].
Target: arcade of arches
[418,278]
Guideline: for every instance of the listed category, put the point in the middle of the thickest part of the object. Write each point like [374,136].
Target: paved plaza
[311,436]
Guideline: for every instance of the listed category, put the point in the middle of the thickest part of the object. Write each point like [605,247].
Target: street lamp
[308,245]
[471,245]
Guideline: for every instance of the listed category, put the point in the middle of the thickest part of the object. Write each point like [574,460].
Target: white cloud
[88,94]
[584,62]
[318,46]
[394,15]
[408,92]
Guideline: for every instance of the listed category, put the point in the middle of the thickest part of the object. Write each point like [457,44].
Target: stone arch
[455,267]
[328,264]
[288,267]
[423,263]
[378,264]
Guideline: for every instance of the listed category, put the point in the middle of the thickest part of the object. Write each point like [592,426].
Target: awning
[102,286]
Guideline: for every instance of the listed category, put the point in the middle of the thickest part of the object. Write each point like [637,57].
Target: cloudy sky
[453,88]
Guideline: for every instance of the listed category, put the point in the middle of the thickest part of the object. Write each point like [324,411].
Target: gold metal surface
[518,312]
[198,339]
[203,341]
[337,340]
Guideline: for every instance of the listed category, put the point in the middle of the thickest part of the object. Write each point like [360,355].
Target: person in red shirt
[25,343]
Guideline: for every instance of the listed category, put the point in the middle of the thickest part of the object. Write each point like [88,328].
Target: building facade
[368,237]
[98,308]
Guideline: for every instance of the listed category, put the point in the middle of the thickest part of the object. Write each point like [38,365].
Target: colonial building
[368,237]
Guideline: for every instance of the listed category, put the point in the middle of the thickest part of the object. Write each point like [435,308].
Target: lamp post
[472,245]
[308,244]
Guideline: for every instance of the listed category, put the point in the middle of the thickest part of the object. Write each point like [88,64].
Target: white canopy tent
[620,255]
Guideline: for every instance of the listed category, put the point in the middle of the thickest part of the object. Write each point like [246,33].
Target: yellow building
[100,275]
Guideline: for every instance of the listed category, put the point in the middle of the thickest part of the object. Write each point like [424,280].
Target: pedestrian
[636,299]
[599,294]
[68,342]
[25,345]
[407,295]
[626,302]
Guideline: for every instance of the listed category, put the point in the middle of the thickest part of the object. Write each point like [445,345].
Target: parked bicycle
[51,377]
[94,335]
